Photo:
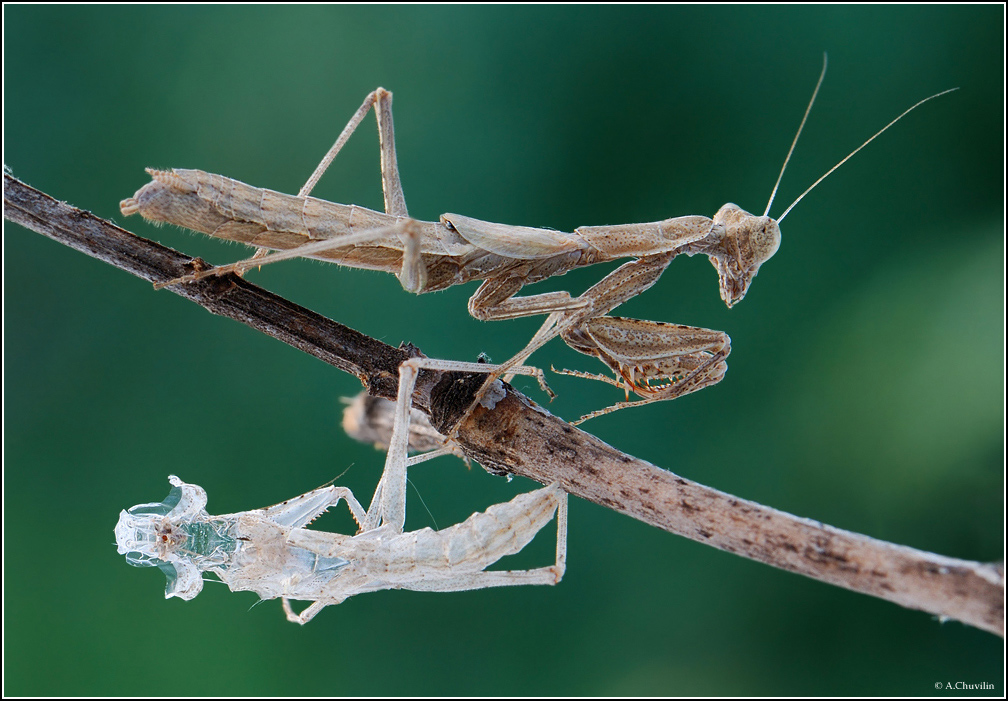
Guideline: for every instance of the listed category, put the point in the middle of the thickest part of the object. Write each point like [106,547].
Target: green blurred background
[865,386]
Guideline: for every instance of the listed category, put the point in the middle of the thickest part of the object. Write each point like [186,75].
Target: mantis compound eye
[764,242]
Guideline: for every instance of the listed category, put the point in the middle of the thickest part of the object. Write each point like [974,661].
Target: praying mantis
[271,552]
[655,360]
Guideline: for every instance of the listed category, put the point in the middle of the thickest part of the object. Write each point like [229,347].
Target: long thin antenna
[781,218]
[800,127]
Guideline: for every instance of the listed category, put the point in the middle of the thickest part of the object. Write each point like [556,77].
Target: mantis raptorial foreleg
[657,361]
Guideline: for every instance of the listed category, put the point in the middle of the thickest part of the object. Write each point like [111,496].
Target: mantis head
[747,243]
[175,535]
[748,240]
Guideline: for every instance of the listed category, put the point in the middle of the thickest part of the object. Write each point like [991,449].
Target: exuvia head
[155,535]
[753,240]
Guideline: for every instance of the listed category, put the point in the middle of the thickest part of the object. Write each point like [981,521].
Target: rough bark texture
[517,436]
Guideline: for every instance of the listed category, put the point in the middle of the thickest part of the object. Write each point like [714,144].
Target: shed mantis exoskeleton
[654,360]
[271,552]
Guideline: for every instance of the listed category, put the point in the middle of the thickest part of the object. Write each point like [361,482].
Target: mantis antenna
[877,134]
[793,143]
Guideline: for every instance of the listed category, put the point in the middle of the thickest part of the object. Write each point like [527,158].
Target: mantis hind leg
[395,200]
[541,575]
[381,100]
[413,273]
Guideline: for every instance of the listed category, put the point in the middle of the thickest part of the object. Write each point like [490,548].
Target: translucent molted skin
[177,536]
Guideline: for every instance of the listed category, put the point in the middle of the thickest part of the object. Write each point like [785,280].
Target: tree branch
[520,437]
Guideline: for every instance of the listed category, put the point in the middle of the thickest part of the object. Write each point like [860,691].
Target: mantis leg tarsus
[610,409]
[598,377]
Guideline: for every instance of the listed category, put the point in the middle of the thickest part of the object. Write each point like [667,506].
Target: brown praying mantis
[655,360]
[272,552]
